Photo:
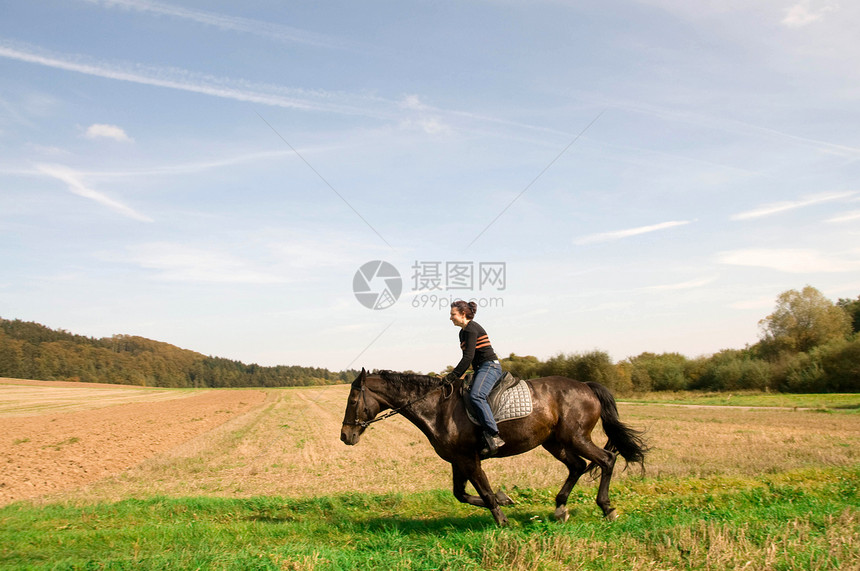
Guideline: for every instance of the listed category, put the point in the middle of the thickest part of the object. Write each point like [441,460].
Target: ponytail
[467,309]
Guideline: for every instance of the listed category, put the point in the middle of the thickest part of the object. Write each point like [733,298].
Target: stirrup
[492,445]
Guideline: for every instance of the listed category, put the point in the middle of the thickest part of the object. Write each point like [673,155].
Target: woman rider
[478,352]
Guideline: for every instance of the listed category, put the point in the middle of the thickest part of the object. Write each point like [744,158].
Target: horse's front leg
[471,469]
[461,495]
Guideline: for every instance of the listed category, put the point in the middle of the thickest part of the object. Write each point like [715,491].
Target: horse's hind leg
[605,459]
[576,468]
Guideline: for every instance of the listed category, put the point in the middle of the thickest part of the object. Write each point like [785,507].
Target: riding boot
[492,444]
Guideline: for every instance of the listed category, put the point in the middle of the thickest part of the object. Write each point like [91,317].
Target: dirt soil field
[285,442]
[58,436]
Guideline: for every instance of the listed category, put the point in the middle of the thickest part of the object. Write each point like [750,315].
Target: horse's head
[362,406]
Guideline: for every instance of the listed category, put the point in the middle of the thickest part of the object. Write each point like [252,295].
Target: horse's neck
[395,397]
[421,409]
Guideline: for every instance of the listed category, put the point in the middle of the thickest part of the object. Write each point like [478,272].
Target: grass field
[724,488]
[756,399]
[798,520]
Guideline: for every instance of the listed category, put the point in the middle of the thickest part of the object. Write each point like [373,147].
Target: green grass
[846,402]
[798,520]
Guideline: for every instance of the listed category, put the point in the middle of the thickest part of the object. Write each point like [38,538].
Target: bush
[803,374]
[732,370]
[624,370]
[842,367]
[833,367]
[595,366]
[664,372]
[527,367]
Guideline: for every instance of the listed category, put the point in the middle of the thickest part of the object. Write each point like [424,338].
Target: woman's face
[458,317]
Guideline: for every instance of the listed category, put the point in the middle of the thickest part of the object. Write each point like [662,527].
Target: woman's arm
[468,353]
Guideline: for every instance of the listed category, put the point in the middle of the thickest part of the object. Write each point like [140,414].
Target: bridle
[359,384]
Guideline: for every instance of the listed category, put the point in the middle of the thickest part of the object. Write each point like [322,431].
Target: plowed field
[58,436]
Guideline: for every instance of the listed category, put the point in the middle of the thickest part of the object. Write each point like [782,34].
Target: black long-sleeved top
[476,349]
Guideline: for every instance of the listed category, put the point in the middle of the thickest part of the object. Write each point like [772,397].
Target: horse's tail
[622,439]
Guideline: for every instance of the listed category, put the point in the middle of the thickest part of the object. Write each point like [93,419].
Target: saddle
[510,399]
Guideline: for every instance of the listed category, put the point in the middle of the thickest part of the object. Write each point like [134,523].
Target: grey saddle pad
[510,399]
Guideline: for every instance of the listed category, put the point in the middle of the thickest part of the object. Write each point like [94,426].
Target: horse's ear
[359,380]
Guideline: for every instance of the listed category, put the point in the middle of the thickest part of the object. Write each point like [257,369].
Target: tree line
[808,344]
[32,351]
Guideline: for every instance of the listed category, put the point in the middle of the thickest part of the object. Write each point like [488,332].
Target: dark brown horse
[565,412]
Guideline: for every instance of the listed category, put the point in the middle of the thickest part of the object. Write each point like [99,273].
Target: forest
[32,351]
[809,344]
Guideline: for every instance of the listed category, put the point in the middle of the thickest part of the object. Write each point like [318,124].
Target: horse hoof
[561,514]
[503,499]
[611,515]
[501,519]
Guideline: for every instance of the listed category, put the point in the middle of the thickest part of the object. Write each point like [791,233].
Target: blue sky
[650,175]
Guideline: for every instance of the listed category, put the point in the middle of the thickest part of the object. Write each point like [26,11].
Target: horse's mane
[410,380]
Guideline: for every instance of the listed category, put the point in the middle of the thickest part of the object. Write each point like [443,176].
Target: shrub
[595,366]
[733,369]
[833,367]
[842,366]
[664,372]
[527,367]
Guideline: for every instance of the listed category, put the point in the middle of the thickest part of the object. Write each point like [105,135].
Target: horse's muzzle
[349,435]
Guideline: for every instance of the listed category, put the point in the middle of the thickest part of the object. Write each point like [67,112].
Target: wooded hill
[32,351]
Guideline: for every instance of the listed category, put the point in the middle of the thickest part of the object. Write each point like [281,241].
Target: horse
[565,411]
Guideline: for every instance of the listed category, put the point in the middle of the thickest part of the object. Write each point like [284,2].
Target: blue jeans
[486,377]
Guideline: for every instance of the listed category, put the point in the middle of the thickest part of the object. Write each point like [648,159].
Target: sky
[623,176]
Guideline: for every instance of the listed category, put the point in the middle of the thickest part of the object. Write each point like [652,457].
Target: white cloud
[799,14]
[77,186]
[788,260]
[759,303]
[226,22]
[718,123]
[265,256]
[777,207]
[412,102]
[177,168]
[804,13]
[619,234]
[26,107]
[845,217]
[431,126]
[101,130]
[434,126]
[47,150]
[299,253]
[355,104]
[604,307]
[180,263]
[691,284]
[184,80]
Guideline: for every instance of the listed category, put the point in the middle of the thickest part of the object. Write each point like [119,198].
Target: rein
[394,411]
